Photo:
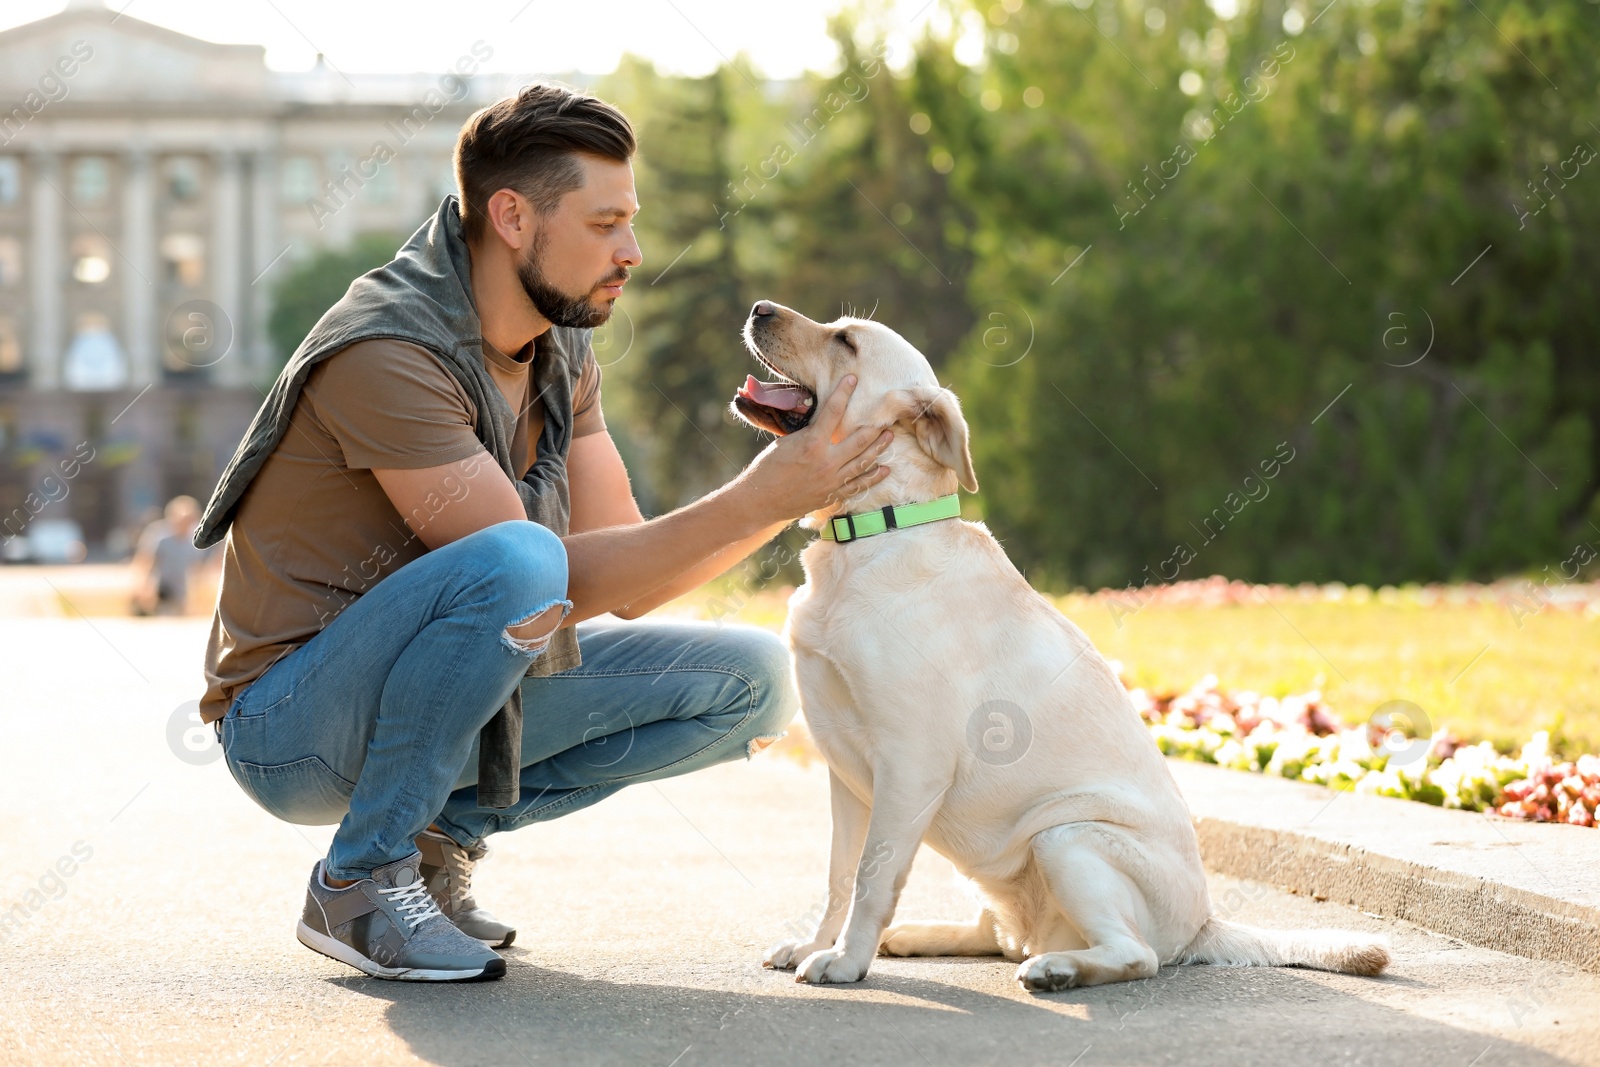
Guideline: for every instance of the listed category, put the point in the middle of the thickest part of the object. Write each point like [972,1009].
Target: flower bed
[1521,596]
[1298,737]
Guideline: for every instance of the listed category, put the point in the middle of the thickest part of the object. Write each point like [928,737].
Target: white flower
[1381,783]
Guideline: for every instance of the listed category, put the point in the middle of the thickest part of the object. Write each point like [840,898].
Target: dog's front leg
[901,812]
[849,831]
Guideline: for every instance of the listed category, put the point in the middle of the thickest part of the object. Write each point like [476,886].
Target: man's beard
[562,309]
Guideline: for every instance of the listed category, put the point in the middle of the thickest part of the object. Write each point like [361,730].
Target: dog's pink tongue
[772,395]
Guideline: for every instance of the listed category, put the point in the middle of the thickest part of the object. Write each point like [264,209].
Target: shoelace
[460,866]
[413,901]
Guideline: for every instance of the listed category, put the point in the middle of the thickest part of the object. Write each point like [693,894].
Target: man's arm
[602,496]
[628,566]
[718,563]
[629,570]
[601,493]
[473,493]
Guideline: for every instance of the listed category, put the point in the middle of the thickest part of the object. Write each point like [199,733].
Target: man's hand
[807,470]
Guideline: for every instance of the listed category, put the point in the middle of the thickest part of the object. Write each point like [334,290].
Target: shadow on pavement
[1188,1015]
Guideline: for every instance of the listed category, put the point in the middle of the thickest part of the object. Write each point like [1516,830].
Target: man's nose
[632,254]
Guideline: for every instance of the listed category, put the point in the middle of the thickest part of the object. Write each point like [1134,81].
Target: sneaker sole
[338,950]
[490,942]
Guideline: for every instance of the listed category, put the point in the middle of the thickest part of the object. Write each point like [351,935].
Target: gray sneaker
[388,926]
[447,869]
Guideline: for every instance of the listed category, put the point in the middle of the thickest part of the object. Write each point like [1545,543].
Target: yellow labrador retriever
[956,706]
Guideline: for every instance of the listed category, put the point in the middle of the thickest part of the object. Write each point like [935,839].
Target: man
[165,558]
[424,510]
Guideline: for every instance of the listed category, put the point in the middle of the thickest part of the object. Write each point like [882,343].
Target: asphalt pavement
[152,909]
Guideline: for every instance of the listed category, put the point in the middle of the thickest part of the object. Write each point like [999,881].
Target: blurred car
[46,541]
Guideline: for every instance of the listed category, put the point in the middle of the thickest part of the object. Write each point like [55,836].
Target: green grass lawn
[1360,653]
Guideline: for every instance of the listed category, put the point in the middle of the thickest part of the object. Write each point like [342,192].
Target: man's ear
[935,415]
[509,215]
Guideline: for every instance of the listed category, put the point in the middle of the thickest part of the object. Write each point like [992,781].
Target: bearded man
[429,529]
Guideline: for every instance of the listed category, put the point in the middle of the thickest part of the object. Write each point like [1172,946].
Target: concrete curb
[1526,888]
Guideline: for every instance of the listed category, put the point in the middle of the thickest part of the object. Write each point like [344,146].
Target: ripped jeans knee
[529,635]
[756,744]
[772,713]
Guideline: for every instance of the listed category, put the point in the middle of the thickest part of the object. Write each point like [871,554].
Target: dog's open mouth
[780,407]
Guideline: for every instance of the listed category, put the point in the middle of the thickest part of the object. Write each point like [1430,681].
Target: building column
[45,272]
[338,191]
[268,264]
[139,285]
[227,231]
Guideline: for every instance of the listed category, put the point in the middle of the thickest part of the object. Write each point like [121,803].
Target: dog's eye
[843,337]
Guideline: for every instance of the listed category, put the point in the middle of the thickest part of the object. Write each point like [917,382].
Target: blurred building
[153,189]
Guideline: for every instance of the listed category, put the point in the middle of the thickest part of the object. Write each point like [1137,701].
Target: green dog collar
[846,528]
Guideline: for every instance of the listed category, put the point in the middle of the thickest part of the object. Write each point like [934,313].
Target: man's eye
[607,226]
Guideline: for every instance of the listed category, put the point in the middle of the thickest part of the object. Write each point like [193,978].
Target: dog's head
[895,387]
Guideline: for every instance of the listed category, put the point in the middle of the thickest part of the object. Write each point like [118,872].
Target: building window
[382,186]
[10,181]
[10,347]
[10,262]
[91,180]
[184,258]
[183,179]
[94,359]
[91,258]
[299,180]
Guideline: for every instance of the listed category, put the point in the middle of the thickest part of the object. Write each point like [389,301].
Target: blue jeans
[373,723]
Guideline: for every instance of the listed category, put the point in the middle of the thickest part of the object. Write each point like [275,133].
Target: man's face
[578,261]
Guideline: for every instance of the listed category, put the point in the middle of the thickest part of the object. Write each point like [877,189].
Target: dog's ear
[935,415]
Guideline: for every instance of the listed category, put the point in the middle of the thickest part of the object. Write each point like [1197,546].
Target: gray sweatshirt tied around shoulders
[423,296]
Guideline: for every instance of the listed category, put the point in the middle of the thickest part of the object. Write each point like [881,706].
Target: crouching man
[419,521]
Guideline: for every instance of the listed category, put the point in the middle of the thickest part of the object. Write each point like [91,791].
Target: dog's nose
[763,309]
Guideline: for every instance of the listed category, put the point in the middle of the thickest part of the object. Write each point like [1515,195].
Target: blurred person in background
[166,558]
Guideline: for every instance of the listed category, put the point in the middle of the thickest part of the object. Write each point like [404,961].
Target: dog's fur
[956,706]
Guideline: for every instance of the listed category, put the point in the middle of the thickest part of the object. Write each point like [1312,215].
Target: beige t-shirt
[315,529]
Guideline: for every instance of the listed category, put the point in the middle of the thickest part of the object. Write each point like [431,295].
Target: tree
[1160,253]
[861,221]
[1254,250]
[690,358]
[312,287]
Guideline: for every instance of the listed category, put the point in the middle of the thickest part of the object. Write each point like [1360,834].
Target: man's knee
[528,562]
[527,566]
[531,635]
[774,700]
[520,546]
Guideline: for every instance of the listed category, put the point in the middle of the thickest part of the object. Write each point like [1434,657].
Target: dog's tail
[1233,945]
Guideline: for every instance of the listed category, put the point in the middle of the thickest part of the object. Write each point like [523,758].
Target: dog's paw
[785,955]
[894,942]
[907,939]
[830,966]
[1047,973]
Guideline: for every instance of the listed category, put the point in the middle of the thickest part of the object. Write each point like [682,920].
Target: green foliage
[1316,237]
[750,193]
[1155,250]
[859,222]
[690,356]
[305,293]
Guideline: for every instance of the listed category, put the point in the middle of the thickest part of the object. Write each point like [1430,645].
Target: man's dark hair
[528,143]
